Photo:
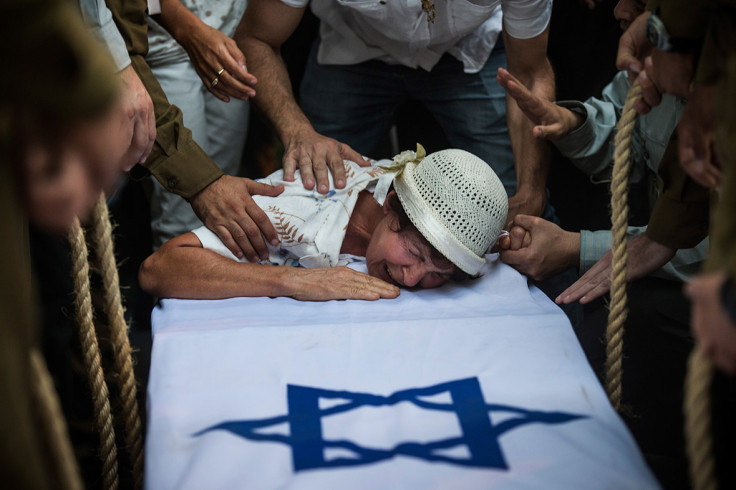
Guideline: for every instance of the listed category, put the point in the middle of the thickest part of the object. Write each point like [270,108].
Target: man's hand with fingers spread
[644,257]
[227,208]
[551,121]
[316,155]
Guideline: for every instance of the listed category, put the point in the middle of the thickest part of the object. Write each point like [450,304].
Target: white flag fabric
[468,386]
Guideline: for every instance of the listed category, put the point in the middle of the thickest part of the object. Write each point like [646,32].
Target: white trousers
[220,128]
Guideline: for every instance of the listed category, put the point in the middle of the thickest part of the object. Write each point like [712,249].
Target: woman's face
[403,259]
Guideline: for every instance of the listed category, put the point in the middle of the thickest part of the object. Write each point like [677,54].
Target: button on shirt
[397,31]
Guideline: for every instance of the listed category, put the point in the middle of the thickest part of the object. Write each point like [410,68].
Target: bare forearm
[531,155]
[261,44]
[177,19]
[274,95]
[527,61]
[197,273]
[264,28]
[181,268]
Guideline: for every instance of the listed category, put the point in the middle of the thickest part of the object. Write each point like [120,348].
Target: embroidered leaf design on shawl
[376,171]
[349,171]
[286,230]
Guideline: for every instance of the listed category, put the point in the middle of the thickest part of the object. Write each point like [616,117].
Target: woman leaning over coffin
[417,222]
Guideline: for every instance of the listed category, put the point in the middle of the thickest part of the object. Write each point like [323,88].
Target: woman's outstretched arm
[181,268]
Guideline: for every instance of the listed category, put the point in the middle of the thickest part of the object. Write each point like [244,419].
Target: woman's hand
[336,283]
[219,63]
[218,60]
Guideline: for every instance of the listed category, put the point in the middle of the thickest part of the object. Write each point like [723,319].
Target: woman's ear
[386,207]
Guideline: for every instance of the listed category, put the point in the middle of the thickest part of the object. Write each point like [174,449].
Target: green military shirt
[176,161]
[680,215]
[714,23]
[723,230]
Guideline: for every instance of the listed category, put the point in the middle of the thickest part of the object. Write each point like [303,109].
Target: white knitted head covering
[455,200]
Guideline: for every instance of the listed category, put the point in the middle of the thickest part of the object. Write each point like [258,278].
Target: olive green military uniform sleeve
[685,19]
[722,255]
[723,230]
[706,20]
[714,22]
[680,215]
[694,20]
[176,161]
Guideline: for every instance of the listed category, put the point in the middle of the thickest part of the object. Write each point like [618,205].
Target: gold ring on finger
[215,82]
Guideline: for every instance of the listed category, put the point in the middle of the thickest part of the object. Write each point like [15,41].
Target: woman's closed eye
[415,251]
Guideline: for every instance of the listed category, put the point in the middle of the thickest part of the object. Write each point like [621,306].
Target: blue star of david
[479,435]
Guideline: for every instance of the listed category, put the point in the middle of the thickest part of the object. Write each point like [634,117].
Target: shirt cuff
[581,137]
[593,244]
[588,146]
[184,169]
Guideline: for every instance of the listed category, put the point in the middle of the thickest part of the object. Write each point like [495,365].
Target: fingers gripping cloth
[456,201]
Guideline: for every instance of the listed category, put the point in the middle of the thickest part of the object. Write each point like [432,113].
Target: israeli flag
[468,386]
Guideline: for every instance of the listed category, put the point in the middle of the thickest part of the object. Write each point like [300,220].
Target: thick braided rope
[53,424]
[619,222]
[102,234]
[91,354]
[698,433]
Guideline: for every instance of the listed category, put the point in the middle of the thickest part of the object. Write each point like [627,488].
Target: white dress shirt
[398,32]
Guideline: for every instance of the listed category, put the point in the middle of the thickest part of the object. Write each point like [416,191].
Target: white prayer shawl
[311,225]
[471,386]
